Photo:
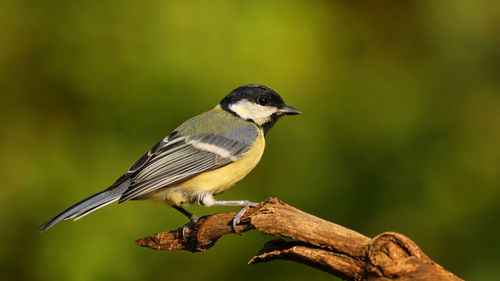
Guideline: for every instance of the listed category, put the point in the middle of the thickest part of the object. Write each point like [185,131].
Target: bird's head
[258,104]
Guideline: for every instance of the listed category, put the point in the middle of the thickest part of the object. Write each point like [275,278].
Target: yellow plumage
[215,181]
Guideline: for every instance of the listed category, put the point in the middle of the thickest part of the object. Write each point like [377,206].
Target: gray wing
[181,159]
[161,145]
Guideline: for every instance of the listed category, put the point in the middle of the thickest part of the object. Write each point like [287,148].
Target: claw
[239,215]
[193,219]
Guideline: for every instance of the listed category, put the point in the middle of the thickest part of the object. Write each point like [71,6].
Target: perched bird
[203,157]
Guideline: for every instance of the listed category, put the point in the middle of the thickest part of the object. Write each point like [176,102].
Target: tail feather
[88,205]
[83,214]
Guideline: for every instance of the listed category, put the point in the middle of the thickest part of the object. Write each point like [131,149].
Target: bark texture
[314,242]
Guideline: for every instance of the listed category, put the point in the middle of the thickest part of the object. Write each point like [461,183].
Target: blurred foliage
[400,126]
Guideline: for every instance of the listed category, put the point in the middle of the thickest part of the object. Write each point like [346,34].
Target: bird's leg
[192,220]
[207,200]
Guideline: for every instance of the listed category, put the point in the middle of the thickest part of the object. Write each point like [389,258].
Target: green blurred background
[400,126]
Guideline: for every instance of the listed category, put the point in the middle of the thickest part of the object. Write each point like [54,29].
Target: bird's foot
[193,219]
[239,215]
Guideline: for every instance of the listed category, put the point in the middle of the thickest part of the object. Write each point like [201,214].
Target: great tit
[203,157]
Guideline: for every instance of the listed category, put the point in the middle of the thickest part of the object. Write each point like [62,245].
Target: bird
[203,157]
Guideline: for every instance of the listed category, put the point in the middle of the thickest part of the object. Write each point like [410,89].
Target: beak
[288,110]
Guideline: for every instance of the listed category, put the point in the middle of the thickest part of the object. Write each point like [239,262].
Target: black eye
[263,100]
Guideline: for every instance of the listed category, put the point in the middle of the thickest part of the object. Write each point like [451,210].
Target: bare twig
[315,242]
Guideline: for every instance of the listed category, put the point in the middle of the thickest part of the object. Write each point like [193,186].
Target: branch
[314,242]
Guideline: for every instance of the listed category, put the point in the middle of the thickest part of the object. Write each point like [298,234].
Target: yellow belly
[215,181]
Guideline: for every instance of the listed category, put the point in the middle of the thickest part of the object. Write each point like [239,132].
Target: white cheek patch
[260,114]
